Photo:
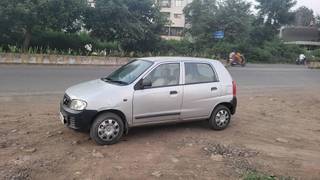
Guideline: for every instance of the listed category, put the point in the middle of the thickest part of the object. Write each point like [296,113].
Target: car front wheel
[107,129]
[220,118]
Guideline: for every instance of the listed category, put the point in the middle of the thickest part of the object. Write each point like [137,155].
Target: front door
[161,100]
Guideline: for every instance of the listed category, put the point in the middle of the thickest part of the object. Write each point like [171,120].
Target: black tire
[107,129]
[215,122]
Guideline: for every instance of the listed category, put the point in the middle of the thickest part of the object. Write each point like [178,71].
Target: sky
[312,4]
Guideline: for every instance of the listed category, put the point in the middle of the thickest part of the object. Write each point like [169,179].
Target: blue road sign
[218,35]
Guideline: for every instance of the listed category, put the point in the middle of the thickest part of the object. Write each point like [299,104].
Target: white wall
[176,22]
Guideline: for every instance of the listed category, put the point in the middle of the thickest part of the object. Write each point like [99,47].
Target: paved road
[38,79]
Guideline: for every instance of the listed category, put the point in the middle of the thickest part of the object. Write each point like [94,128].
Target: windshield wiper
[114,81]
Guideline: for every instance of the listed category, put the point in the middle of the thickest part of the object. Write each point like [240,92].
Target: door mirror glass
[146,83]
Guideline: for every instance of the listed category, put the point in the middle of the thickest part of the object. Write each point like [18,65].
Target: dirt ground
[276,132]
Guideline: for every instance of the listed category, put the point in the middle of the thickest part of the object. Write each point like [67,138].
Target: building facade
[173,10]
[301,35]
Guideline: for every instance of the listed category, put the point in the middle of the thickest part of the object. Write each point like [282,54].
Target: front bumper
[77,120]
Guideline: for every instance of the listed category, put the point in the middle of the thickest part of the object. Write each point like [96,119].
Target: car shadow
[171,127]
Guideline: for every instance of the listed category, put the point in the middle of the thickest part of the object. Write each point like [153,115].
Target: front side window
[176,31]
[166,15]
[164,75]
[179,3]
[199,73]
[165,3]
[129,72]
[178,16]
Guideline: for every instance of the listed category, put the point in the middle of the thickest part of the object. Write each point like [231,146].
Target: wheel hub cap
[108,130]
[222,118]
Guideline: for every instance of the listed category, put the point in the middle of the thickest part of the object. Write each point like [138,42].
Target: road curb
[314,65]
[18,58]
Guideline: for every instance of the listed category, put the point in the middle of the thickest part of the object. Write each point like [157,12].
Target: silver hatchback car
[150,91]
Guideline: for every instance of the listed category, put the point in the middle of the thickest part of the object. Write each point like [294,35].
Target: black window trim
[209,64]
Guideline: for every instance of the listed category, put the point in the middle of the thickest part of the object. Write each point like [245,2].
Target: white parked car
[150,91]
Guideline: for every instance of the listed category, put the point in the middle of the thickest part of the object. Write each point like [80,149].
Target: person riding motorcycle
[301,59]
[236,58]
[231,56]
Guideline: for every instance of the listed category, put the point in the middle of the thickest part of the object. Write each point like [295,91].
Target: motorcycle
[242,62]
[301,61]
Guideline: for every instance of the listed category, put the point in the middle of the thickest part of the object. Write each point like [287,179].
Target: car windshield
[128,73]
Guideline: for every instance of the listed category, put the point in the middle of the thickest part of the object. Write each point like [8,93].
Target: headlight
[78,105]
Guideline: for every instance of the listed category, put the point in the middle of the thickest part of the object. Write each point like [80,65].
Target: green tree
[261,33]
[303,16]
[136,24]
[234,17]
[207,16]
[201,18]
[272,14]
[275,13]
[317,20]
[25,16]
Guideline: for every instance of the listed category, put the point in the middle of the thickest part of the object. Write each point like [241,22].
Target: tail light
[234,88]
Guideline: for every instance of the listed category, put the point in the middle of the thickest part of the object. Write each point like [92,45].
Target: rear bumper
[77,120]
[234,103]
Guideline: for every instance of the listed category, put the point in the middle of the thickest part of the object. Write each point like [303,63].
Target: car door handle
[173,92]
[214,88]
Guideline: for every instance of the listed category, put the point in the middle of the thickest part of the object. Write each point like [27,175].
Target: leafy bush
[221,50]
[74,42]
[274,52]
[269,52]
[175,47]
[257,176]
[51,42]
[258,55]
[316,53]
[313,55]
[254,175]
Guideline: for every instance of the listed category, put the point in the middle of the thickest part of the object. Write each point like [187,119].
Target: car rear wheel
[107,129]
[220,118]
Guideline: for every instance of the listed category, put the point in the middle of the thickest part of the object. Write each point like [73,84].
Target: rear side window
[199,73]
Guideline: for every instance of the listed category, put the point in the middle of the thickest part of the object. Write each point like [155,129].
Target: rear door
[161,102]
[201,90]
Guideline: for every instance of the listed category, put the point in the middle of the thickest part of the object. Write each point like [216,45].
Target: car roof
[177,59]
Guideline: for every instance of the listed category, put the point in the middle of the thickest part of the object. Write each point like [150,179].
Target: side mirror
[146,83]
[143,84]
